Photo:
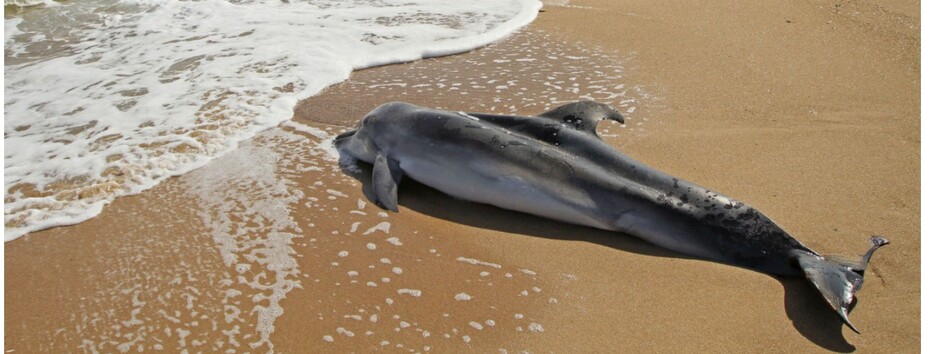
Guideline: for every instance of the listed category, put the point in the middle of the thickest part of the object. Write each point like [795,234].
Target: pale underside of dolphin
[554,165]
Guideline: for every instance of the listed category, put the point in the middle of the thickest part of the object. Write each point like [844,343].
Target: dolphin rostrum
[554,165]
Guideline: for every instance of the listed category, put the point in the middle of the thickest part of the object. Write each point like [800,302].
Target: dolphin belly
[484,181]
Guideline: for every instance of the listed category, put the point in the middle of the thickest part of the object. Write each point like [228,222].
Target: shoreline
[729,96]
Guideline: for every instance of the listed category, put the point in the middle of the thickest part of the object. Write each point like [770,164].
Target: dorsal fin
[583,115]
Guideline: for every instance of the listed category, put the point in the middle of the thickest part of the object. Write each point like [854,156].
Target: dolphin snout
[345,135]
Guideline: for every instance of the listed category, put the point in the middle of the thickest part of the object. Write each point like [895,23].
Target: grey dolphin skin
[554,165]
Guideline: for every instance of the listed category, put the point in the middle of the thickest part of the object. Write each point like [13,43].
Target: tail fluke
[838,279]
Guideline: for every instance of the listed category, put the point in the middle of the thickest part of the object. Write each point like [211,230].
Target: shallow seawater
[108,97]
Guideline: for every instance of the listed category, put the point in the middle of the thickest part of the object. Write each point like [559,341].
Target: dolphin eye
[367,120]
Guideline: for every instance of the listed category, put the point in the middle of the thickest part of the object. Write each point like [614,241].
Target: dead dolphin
[554,165]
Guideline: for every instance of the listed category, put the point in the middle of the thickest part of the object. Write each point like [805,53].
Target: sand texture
[809,111]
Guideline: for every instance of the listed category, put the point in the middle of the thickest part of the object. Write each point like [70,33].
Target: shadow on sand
[805,307]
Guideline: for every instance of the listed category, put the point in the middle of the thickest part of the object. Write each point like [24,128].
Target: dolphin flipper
[386,178]
[583,115]
[838,280]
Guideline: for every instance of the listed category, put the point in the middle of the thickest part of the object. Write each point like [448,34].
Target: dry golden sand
[807,110]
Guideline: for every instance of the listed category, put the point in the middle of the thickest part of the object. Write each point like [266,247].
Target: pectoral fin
[386,178]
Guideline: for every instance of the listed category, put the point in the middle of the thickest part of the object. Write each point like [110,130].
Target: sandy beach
[809,111]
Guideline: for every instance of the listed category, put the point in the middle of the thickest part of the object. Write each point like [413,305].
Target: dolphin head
[376,132]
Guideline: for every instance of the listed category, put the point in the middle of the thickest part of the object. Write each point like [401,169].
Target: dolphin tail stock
[838,279]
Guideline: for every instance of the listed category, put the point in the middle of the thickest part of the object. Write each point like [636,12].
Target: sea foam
[105,98]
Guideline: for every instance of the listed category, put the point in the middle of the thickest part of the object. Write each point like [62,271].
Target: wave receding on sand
[119,95]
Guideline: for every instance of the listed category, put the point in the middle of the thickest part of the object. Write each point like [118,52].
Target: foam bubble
[477,262]
[410,292]
[383,226]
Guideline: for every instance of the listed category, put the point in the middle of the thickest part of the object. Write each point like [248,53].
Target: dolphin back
[838,279]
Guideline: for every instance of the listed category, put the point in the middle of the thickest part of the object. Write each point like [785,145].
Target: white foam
[477,262]
[245,185]
[462,297]
[118,95]
[336,193]
[27,3]
[410,292]
[382,226]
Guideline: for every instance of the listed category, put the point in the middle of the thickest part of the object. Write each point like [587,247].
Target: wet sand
[807,111]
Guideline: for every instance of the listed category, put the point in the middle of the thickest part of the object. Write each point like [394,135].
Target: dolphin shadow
[810,315]
[804,306]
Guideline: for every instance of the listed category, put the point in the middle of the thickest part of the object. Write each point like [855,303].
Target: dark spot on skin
[675,183]
[575,121]
[550,135]
[684,198]
[748,215]
[730,222]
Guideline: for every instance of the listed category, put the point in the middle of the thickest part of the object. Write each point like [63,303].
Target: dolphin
[554,165]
